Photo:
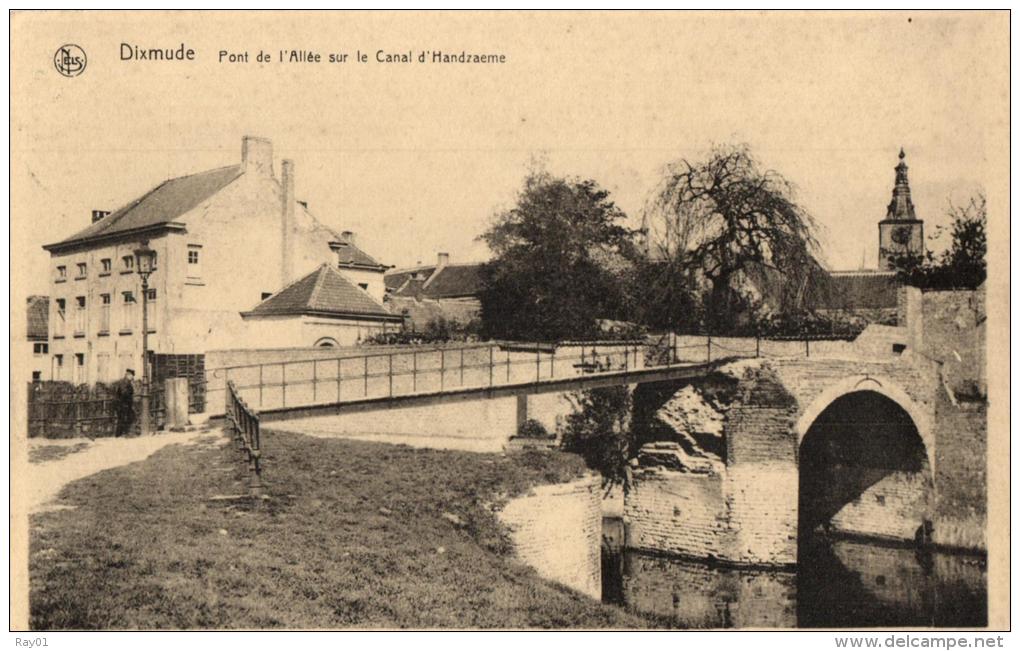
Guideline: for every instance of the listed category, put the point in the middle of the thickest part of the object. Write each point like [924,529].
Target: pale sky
[416,158]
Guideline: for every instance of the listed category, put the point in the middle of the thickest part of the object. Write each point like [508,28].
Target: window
[79,316]
[79,368]
[106,266]
[58,324]
[129,264]
[83,270]
[364,286]
[36,376]
[104,314]
[58,367]
[40,349]
[127,312]
[266,295]
[61,273]
[194,261]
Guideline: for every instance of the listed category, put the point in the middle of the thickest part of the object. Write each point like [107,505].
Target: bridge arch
[865,463]
[875,384]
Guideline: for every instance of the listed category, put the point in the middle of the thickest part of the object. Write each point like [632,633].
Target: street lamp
[145,259]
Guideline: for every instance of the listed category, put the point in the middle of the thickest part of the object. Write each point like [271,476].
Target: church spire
[901,208]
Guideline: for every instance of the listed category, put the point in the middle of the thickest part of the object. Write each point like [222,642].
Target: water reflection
[838,583]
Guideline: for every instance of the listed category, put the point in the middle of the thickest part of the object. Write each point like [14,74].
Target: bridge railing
[244,423]
[401,373]
[393,373]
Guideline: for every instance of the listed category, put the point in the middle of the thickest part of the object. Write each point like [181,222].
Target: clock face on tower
[901,235]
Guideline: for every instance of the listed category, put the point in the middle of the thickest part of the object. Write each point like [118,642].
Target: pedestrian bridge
[421,376]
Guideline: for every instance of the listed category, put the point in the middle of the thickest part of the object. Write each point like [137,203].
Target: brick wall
[894,507]
[696,595]
[678,512]
[953,333]
[961,474]
[557,530]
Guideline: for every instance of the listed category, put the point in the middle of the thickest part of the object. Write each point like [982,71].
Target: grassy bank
[355,535]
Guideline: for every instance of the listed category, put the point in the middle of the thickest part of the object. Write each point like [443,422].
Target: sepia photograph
[510,321]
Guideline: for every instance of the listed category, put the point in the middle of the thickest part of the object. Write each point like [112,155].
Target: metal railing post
[709,358]
[807,348]
[508,366]
[442,369]
[390,373]
[283,373]
[538,364]
[491,353]
[757,346]
[414,373]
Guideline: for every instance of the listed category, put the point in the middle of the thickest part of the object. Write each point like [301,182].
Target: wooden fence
[63,410]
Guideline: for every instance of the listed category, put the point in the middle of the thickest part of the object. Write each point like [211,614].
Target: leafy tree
[719,228]
[962,264]
[599,430]
[559,257]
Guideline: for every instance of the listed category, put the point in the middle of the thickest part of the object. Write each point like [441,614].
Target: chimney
[99,214]
[287,223]
[348,237]
[443,259]
[304,204]
[256,155]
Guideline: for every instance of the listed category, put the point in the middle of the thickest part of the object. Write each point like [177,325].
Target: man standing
[124,393]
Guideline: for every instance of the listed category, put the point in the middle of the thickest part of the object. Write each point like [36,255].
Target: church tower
[901,232]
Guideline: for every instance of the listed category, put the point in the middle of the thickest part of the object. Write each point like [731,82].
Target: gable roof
[324,292]
[395,279]
[38,317]
[454,281]
[350,255]
[157,207]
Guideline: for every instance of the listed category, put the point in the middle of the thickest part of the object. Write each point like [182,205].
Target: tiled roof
[395,279]
[161,205]
[350,255]
[412,288]
[454,280]
[38,317]
[323,292]
[864,290]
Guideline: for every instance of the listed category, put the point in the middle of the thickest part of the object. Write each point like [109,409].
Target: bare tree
[730,229]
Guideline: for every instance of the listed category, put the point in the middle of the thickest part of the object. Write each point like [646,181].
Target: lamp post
[144,259]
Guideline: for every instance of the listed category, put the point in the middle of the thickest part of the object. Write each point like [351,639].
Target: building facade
[38,337]
[225,240]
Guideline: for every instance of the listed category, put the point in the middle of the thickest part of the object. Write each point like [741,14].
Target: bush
[532,429]
[599,431]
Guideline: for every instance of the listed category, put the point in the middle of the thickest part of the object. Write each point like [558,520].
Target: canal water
[837,583]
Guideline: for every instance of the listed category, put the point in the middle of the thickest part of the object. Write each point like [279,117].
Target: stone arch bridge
[871,444]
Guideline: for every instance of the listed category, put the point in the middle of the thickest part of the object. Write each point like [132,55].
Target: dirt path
[47,478]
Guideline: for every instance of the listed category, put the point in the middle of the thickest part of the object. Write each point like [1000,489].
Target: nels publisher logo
[70,60]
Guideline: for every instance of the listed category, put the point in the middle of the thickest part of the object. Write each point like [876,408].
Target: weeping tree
[726,243]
